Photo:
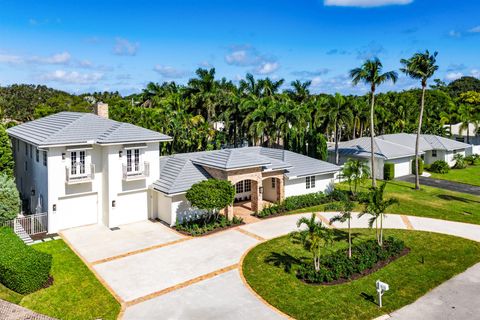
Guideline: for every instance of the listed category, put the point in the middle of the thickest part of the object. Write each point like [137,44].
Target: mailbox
[381,288]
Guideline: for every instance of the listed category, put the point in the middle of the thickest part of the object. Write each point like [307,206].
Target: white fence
[31,224]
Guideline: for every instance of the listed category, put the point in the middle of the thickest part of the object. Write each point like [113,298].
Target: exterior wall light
[54,207]
[120,153]
[114,203]
[32,192]
[63,155]
[260,189]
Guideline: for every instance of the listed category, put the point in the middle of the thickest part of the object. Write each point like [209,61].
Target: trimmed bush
[294,203]
[421,166]
[9,198]
[337,265]
[204,224]
[388,171]
[439,166]
[22,268]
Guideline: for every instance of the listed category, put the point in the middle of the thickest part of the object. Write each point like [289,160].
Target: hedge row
[388,171]
[22,268]
[294,203]
[420,166]
[337,265]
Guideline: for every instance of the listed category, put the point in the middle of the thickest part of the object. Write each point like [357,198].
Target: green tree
[375,206]
[314,238]
[6,157]
[346,206]
[422,66]
[9,198]
[211,195]
[339,115]
[371,74]
[355,171]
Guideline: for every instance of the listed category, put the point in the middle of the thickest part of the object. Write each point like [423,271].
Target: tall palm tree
[299,91]
[422,66]
[339,116]
[371,74]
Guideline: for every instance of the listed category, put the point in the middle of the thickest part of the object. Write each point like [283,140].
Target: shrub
[211,194]
[9,198]
[337,265]
[388,171]
[6,156]
[439,166]
[201,225]
[294,203]
[421,166]
[22,268]
[472,159]
[460,162]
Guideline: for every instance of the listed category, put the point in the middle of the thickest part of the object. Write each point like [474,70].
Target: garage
[402,167]
[130,207]
[75,211]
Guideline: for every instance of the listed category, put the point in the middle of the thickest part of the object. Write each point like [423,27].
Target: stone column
[257,197]
[229,212]
[280,183]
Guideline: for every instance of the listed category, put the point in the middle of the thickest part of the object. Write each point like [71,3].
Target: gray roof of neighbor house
[361,147]
[427,141]
[66,128]
[179,172]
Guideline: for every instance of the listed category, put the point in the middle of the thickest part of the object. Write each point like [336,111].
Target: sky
[84,46]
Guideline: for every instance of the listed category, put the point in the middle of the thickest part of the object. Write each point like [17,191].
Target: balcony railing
[142,172]
[77,176]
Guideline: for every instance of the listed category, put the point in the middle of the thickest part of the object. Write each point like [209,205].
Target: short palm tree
[422,66]
[371,74]
[346,207]
[355,171]
[315,237]
[375,205]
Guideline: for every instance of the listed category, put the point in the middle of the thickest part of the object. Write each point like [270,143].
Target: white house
[470,135]
[85,169]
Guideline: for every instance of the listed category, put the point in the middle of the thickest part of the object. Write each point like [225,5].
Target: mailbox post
[381,288]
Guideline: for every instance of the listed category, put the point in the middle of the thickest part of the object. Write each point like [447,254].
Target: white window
[239,187]
[273,183]
[248,186]
[77,162]
[310,182]
[434,153]
[133,160]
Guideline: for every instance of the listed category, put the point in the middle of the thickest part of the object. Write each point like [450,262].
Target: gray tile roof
[441,143]
[407,139]
[427,141]
[382,149]
[179,172]
[65,128]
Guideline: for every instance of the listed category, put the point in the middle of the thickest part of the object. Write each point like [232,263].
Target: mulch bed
[208,232]
[379,265]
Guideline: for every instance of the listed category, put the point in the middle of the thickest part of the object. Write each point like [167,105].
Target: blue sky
[86,45]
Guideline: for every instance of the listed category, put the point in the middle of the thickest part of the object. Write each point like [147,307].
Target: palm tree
[203,91]
[355,171]
[375,205]
[315,237]
[299,91]
[371,74]
[420,66]
[339,115]
[346,207]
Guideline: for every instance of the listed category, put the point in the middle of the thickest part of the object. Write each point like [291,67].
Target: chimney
[101,109]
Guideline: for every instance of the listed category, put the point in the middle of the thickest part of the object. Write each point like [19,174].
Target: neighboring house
[85,169]
[384,151]
[258,174]
[399,149]
[470,136]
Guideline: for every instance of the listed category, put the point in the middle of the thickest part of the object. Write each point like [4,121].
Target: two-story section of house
[84,168]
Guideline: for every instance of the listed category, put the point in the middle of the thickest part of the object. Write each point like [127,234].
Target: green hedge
[22,268]
[294,203]
[337,265]
[388,171]
[421,166]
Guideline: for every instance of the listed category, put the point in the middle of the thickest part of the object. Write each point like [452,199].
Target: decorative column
[280,184]
[229,212]
[257,196]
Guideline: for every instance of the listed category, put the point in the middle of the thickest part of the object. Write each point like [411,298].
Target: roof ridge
[60,129]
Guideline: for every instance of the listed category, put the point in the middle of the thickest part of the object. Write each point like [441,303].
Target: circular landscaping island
[274,268]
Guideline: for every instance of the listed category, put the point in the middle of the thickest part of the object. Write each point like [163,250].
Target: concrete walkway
[444,184]
[200,278]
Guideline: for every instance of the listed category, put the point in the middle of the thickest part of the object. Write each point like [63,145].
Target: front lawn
[270,270]
[75,294]
[469,175]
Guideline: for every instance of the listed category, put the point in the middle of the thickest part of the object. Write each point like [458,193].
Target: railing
[142,172]
[78,176]
[31,224]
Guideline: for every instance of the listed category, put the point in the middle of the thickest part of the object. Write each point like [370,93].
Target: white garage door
[402,169]
[76,211]
[131,207]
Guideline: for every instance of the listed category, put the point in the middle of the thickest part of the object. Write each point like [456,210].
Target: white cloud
[58,58]
[475,29]
[454,75]
[267,68]
[312,73]
[475,73]
[365,3]
[123,47]
[72,77]
[12,59]
[454,34]
[169,72]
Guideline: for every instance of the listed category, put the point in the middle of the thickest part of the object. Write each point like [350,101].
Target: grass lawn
[469,175]
[409,278]
[428,202]
[75,294]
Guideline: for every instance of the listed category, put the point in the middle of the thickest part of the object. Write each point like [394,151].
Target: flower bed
[207,224]
[367,257]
